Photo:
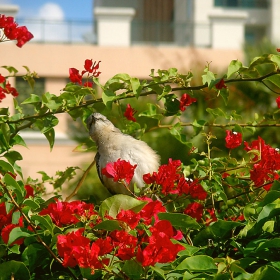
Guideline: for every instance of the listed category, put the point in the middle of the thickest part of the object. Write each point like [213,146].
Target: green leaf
[50,135]
[136,86]
[17,233]
[45,222]
[176,132]
[17,140]
[151,112]
[12,184]
[225,94]
[5,167]
[108,225]
[108,97]
[31,203]
[233,67]
[180,221]
[32,99]
[198,263]
[217,112]
[208,78]
[13,156]
[275,79]
[223,228]
[198,126]
[14,270]
[12,70]
[113,205]
[265,272]
[133,269]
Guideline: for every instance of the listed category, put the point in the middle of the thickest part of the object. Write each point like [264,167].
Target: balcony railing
[60,31]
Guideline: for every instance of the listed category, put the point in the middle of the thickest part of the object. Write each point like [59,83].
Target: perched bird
[112,145]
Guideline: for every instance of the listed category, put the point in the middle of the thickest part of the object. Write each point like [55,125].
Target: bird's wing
[97,158]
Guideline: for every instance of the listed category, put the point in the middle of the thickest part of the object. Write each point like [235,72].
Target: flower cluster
[90,68]
[119,170]
[14,32]
[185,101]
[233,139]
[172,181]
[147,246]
[6,88]
[266,162]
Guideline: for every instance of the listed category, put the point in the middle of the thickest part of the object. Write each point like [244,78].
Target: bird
[112,145]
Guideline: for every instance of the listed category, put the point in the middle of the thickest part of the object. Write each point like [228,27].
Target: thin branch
[80,182]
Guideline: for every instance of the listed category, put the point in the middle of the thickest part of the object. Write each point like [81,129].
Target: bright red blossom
[129,217]
[129,113]
[119,170]
[195,210]
[75,76]
[267,162]
[66,213]
[185,101]
[14,32]
[278,101]
[233,139]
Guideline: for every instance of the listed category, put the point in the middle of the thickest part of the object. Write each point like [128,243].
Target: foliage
[215,218]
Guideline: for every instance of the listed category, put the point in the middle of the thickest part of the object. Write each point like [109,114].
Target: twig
[80,182]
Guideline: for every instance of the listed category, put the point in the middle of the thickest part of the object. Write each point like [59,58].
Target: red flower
[119,170]
[129,217]
[10,89]
[278,50]
[126,244]
[160,248]
[233,139]
[195,210]
[2,94]
[197,191]
[5,218]
[75,76]
[66,213]
[91,68]
[278,102]
[5,234]
[14,32]
[186,100]
[2,79]
[29,191]
[150,210]
[267,165]
[129,113]
[220,84]
[88,84]
[73,247]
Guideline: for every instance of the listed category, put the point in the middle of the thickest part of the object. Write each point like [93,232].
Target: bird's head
[98,125]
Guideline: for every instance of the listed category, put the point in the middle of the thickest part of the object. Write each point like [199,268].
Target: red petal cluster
[6,88]
[119,170]
[195,210]
[185,101]
[233,139]
[267,164]
[14,32]
[278,102]
[5,218]
[129,113]
[66,213]
[172,181]
[91,69]
[220,85]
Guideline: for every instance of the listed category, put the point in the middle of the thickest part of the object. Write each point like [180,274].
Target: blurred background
[134,37]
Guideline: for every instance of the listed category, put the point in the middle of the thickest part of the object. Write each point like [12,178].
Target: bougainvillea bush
[215,218]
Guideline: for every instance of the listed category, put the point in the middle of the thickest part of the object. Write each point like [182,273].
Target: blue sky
[60,9]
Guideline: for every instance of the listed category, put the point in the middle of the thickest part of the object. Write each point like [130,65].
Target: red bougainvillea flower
[2,79]
[278,102]
[91,68]
[5,218]
[195,210]
[73,247]
[75,76]
[29,191]
[125,243]
[167,176]
[185,101]
[88,84]
[220,85]
[233,139]
[129,113]
[14,32]
[66,213]
[10,90]
[160,249]
[267,162]
[168,229]
[150,210]
[119,170]
[5,234]
[197,191]
[129,217]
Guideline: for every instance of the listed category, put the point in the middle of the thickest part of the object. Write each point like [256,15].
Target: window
[241,3]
